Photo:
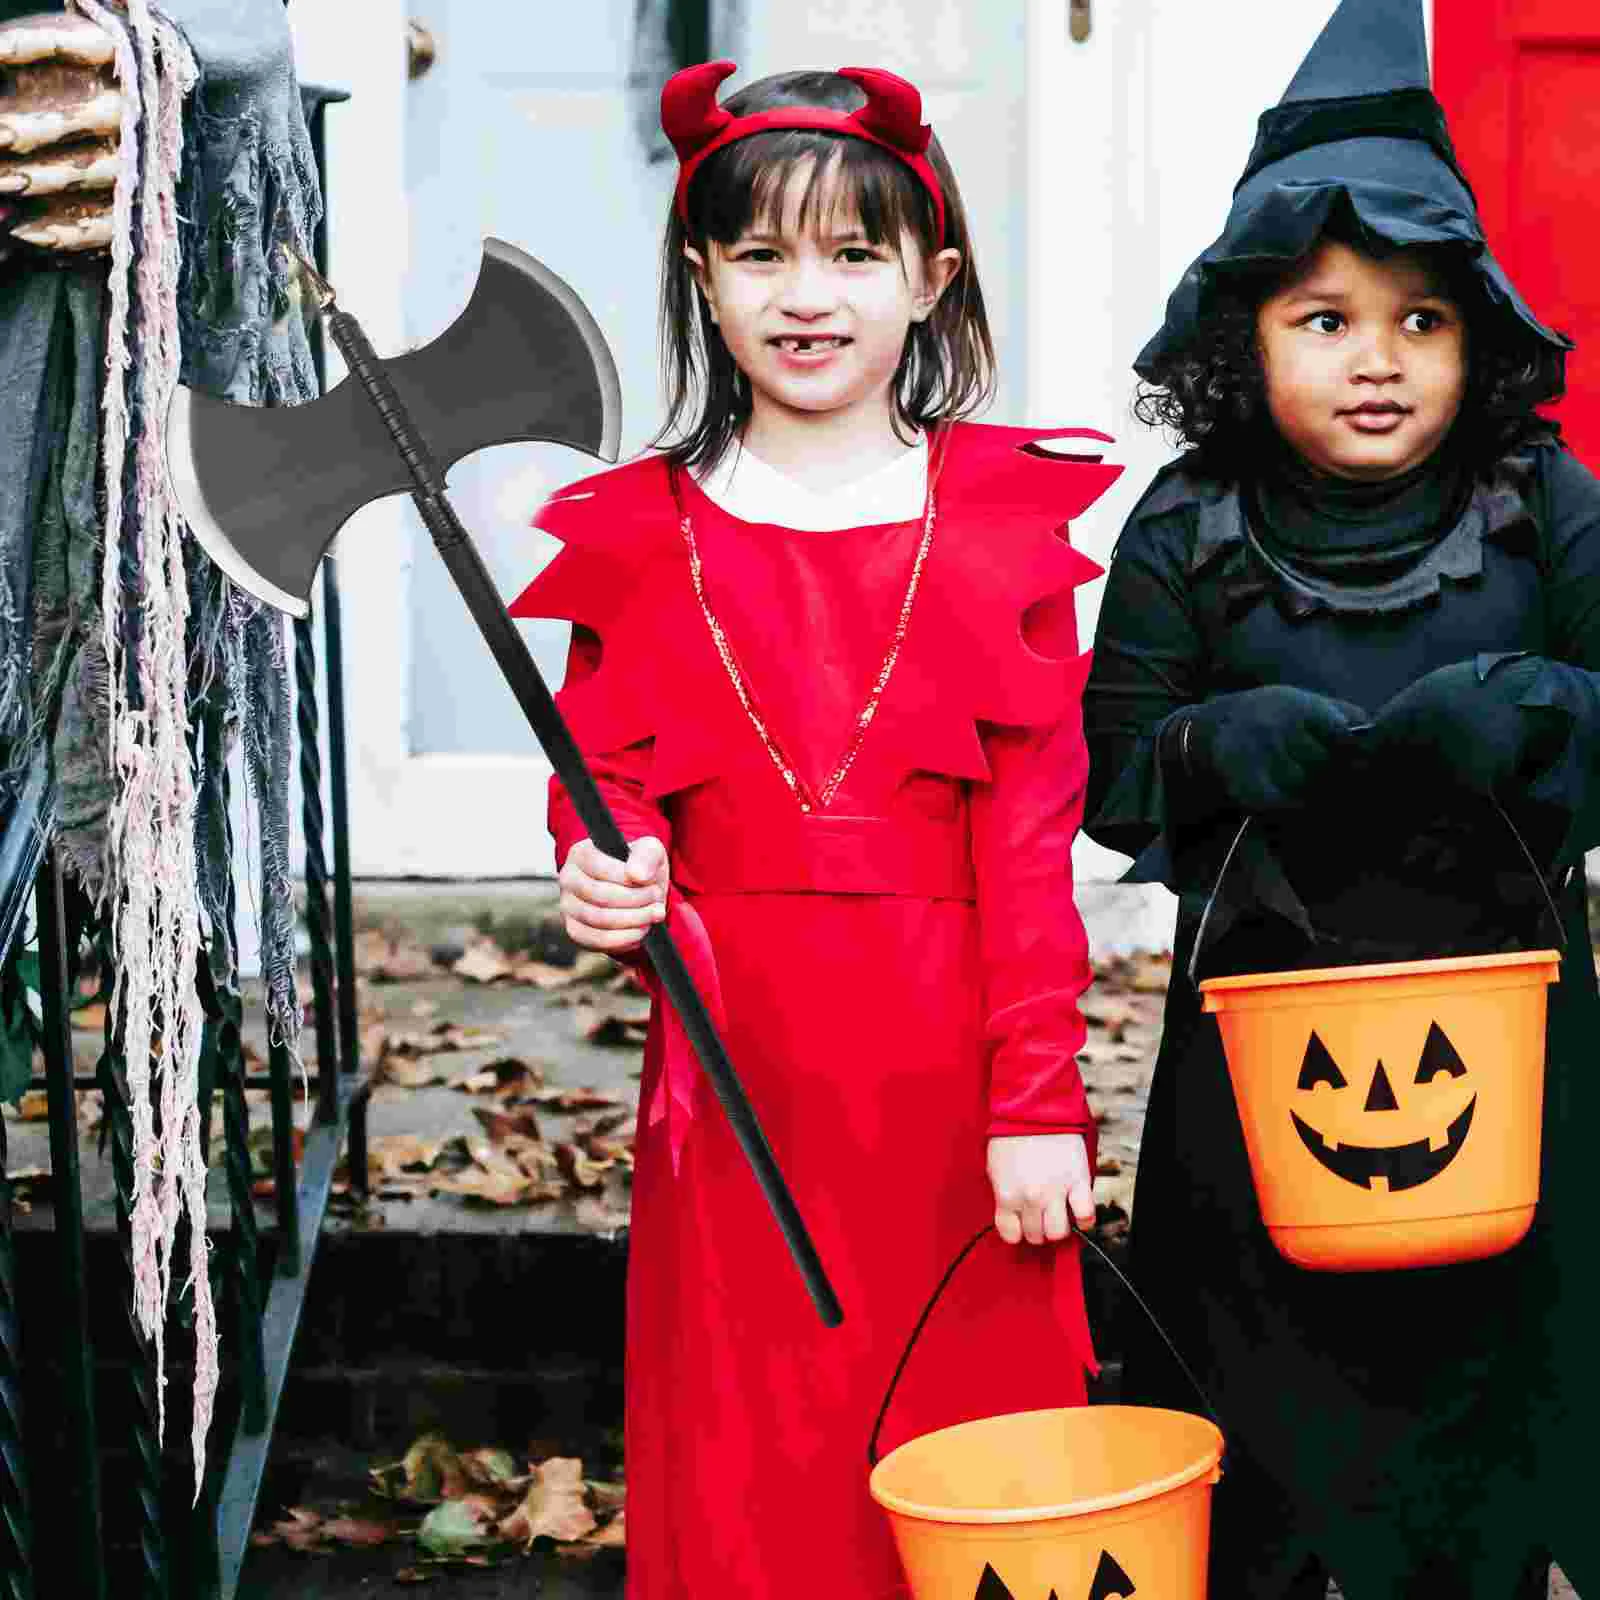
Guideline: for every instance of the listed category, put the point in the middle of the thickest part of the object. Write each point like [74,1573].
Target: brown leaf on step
[414,1575]
[605,1152]
[355,1531]
[542,975]
[614,1536]
[554,1506]
[1107,1167]
[521,1121]
[406,1073]
[34,1106]
[578,1169]
[429,1471]
[587,1098]
[300,1529]
[1107,1012]
[612,1020]
[509,1078]
[385,960]
[592,966]
[489,1469]
[485,962]
[390,1155]
[440,1037]
[534,1158]
[489,1187]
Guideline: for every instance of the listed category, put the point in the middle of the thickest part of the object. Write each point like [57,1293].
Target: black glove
[1259,750]
[1462,727]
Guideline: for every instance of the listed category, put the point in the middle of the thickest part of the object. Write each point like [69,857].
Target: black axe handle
[500,633]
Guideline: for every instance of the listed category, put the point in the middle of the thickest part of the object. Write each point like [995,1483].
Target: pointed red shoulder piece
[622,574]
[993,636]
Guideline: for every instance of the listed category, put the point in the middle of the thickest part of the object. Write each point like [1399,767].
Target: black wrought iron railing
[117,1534]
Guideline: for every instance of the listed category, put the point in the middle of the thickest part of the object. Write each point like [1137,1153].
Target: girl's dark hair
[947,369]
[1211,393]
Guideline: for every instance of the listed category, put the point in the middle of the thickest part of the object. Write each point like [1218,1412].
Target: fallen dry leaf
[500,1126]
[587,1098]
[406,1073]
[578,1169]
[612,1021]
[457,1526]
[508,1079]
[356,1531]
[391,1155]
[485,962]
[428,1472]
[554,1506]
[494,1188]
[300,1529]
[613,1536]
[542,975]
[385,960]
[34,1106]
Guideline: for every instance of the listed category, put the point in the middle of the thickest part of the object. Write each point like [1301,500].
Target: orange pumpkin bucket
[1392,1113]
[1083,1503]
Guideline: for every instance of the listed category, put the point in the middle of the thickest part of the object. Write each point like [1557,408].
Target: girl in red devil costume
[825,667]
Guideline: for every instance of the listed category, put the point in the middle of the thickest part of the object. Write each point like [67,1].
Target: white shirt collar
[746,487]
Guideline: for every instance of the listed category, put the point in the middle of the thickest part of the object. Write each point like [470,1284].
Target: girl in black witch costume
[1363,610]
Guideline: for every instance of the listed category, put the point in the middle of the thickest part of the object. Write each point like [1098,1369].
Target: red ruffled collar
[991,640]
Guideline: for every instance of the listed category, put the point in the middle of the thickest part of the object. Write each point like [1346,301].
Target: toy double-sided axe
[265,490]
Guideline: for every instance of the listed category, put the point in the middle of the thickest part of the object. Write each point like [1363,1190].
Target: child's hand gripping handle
[944,1283]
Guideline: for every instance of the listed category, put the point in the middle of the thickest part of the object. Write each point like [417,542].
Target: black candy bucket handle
[1238,839]
[944,1283]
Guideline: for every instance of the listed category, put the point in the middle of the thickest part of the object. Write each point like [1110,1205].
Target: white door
[526,126]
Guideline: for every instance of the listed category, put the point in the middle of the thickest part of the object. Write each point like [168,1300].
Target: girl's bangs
[749,185]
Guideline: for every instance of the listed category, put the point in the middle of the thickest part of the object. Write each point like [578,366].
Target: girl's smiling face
[1365,361]
[814,312]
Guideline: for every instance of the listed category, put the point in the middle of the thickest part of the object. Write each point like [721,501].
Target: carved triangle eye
[1439,1055]
[1319,1067]
[1110,1579]
[990,1587]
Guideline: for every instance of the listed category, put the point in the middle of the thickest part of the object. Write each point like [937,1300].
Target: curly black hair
[1211,394]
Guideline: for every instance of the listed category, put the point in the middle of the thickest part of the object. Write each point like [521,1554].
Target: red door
[1520,82]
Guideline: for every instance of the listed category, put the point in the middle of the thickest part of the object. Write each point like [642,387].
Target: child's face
[1366,362]
[813,312]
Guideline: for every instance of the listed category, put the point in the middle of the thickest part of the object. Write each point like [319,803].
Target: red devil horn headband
[891,119]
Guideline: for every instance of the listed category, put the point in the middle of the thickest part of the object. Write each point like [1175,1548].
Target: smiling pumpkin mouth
[1397,1167]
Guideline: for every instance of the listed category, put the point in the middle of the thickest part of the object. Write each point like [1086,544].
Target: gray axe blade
[265,490]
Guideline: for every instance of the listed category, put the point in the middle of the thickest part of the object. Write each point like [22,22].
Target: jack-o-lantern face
[1388,1146]
[1110,1583]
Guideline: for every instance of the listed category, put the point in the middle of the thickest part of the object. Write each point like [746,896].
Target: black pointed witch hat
[1358,131]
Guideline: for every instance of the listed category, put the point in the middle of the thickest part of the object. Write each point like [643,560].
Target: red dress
[899,975]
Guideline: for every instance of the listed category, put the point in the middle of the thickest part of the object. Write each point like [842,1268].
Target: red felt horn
[893,110]
[690,115]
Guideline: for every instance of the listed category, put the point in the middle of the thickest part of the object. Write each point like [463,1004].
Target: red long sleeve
[1034,951]
[621,774]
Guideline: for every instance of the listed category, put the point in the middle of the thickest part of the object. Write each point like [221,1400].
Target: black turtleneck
[1349,531]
